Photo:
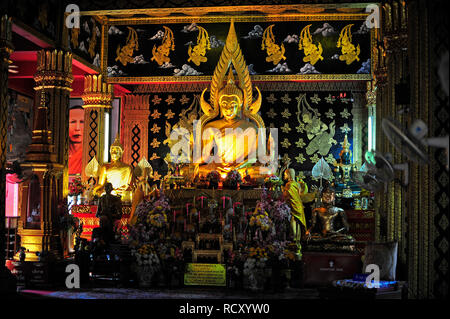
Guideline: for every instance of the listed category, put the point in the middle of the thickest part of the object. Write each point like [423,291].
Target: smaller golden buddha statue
[296,194]
[329,223]
[119,174]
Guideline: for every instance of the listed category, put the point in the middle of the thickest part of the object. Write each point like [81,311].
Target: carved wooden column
[47,158]
[54,80]
[41,194]
[97,99]
[134,128]
[6,49]
[392,69]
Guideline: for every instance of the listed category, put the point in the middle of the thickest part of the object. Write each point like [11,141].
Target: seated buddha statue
[229,154]
[329,223]
[119,174]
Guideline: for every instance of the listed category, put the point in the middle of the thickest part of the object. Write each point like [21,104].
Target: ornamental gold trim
[206,15]
[238,18]
[286,77]
[199,11]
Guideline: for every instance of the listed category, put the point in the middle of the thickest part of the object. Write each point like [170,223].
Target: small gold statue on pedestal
[119,174]
[331,222]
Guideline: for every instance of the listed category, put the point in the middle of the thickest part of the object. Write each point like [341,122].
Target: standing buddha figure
[295,195]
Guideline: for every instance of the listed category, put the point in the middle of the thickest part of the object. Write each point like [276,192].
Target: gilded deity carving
[125,54]
[43,15]
[161,53]
[74,33]
[197,54]
[349,52]
[93,41]
[313,53]
[119,174]
[234,104]
[275,53]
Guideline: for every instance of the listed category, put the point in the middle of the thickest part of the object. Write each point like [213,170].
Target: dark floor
[164,293]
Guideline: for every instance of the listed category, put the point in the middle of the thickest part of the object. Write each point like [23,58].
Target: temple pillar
[97,99]
[43,195]
[359,113]
[54,80]
[6,48]
[134,128]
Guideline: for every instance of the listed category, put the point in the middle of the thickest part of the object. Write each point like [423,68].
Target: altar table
[86,215]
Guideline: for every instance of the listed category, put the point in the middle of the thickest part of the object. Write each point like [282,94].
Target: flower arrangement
[254,267]
[147,262]
[76,187]
[157,217]
[260,219]
[273,181]
[233,179]
[280,211]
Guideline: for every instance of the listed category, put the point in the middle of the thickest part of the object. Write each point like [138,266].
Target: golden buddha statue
[119,174]
[235,138]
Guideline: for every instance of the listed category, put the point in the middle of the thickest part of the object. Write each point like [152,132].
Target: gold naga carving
[161,54]
[93,41]
[43,15]
[350,53]
[124,54]
[197,54]
[313,53]
[74,33]
[275,53]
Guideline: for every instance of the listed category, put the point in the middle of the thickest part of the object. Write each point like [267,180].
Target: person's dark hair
[75,107]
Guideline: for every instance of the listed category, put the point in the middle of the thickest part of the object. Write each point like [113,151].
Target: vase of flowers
[273,182]
[76,189]
[260,225]
[232,180]
[147,264]
[213,179]
[280,212]
[255,268]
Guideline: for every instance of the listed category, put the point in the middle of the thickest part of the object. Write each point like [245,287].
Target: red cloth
[75,161]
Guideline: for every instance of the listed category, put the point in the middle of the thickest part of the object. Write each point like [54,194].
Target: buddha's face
[116,153]
[229,105]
